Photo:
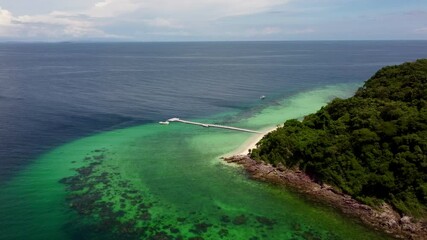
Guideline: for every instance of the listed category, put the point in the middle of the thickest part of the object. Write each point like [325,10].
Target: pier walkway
[211,125]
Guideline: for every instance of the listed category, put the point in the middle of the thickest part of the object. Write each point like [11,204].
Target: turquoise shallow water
[167,182]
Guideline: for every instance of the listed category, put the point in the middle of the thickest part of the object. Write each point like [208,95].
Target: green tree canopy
[372,146]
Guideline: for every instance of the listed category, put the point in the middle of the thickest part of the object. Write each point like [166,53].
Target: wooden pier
[210,125]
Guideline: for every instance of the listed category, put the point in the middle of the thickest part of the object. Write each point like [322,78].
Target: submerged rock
[162,236]
[239,220]
[196,238]
[225,219]
[93,192]
[201,228]
[266,221]
[223,232]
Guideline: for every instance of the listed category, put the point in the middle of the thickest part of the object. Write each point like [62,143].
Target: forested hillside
[372,146]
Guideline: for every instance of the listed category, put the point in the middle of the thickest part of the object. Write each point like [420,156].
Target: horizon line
[210,41]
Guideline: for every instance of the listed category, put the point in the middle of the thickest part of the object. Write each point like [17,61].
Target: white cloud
[89,22]
[421,30]
[162,23]
[210,8]
[113,8]
[5,17]
[103,4]
[263,31]
[270,32]
[202,9]
[301,31]
[172,33]
[59,24]
[7,27]
[208,19]
[55,25]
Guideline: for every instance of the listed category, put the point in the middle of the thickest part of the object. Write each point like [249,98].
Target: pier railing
[210,125]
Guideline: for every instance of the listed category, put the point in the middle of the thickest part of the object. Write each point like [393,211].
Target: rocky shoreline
[384,218]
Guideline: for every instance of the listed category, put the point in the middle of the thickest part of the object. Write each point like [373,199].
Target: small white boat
[262,97]
[164,123]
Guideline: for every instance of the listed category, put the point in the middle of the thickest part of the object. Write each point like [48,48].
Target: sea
[82,155]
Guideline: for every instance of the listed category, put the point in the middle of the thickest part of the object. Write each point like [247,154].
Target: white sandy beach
[251,142]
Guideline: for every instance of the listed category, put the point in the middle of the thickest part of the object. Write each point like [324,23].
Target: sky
[212,20]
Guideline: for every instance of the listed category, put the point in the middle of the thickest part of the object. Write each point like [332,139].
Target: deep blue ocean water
[52,93]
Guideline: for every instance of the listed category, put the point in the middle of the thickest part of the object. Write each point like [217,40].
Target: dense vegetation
[372,146]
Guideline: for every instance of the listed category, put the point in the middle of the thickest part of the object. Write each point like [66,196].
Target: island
[365,155]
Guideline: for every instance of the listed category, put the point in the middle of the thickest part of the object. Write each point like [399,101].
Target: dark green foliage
[372,146]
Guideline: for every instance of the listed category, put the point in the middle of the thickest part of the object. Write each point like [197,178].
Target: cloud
[55,25]
[59,24]
[301,31]
[208,8]
[270,31]
[113,8]
[211,19]
[416,13]
[93,21]
[162,23]
[6,23]
[421,30]
[5,17]
[263,31]
[202,9]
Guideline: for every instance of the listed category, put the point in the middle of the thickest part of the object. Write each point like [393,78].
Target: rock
[384,218]
[225,218]
[223,232]
[405,220]
[391,223]
[409,228]
[281,167]
[265,221]
[239,220]
[200,228]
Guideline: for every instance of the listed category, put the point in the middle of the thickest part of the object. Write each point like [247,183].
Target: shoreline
[249,144]
[384,218]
